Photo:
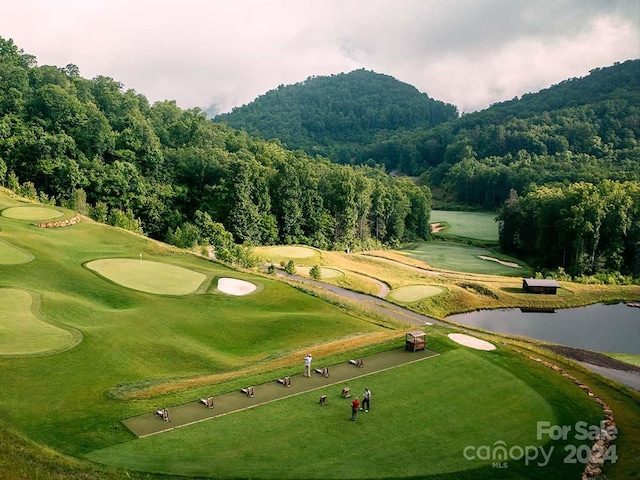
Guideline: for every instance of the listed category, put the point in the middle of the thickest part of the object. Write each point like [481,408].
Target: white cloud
[226,52]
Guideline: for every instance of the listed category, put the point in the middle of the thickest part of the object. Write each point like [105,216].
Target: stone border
[593,468]
[60,223]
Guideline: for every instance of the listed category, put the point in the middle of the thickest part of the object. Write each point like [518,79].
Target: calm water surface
[602,328]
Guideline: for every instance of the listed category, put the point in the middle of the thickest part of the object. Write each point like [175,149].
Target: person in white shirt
[307,365]
[366,399]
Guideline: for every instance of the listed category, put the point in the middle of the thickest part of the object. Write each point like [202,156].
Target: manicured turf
[476,225]
[463,258]
[458,399]
[132,339]
[142,351]
[10,255]
[148,276]
[414,293]
[22,332]
[32,213]
[340,376]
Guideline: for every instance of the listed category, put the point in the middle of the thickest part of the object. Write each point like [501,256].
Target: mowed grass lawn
[423,416]
[465,258]
[474,225]
[136,345]
[133,339]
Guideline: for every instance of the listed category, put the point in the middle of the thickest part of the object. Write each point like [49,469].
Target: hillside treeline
[582,229]
[177,176]
[581,130]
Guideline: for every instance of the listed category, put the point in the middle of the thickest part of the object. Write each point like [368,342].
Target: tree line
[581,229]
[176,176]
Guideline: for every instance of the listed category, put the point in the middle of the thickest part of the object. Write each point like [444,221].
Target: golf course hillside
[123,357]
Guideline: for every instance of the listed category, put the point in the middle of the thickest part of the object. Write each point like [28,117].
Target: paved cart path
[373,303]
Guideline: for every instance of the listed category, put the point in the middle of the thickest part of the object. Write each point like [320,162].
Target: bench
[249,391]
[286,381]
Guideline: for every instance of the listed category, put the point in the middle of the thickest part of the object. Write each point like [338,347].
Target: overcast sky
[224,53]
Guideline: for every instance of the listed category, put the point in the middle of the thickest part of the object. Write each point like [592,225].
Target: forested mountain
[570,176]
[177,176]
[335,115]
[585,129]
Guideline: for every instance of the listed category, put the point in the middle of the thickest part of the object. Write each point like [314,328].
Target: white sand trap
[501,262]
[473,342]
[233,286]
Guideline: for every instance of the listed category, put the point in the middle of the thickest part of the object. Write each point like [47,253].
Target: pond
[599,327]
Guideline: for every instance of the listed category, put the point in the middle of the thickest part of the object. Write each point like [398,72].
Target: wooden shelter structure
[415,340]
[537,285]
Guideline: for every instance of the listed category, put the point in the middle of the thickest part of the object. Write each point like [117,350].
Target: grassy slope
[126,343]
[131,337]
[451,410]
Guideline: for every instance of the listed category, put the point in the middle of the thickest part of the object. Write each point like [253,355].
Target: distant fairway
[414,293]
[22,333]
[32,213]
[476,225]
[148,276]
[10,255]
[465,258]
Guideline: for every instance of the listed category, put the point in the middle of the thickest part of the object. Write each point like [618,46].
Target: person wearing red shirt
[355,406]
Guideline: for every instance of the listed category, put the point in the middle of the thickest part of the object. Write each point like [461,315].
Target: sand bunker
[501,262]
[472,342]
[436,227]
[233,286]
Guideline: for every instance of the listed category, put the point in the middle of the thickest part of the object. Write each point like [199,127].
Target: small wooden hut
[415,340]
[537,285]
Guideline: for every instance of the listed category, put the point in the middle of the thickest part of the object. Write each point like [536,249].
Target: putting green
[414,293]
[22,333]
[10,255]
[326,273]
[148,276]
[31,213]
